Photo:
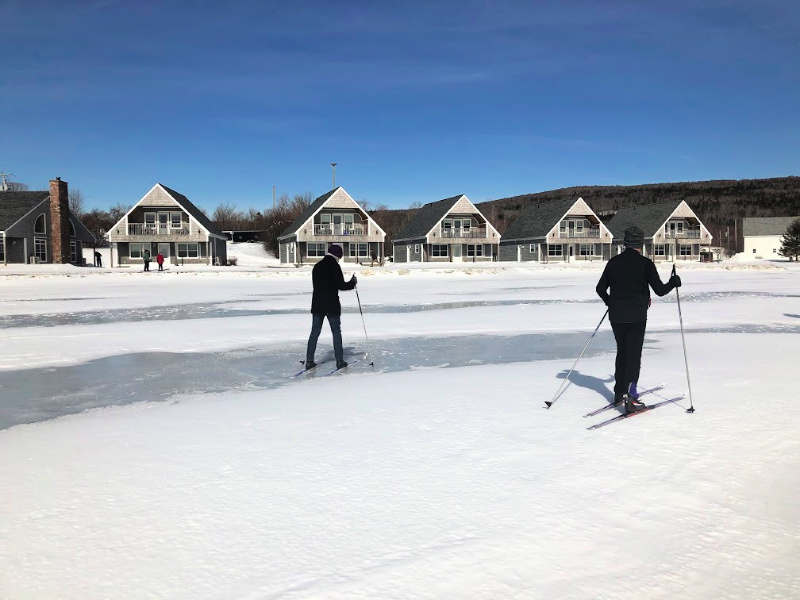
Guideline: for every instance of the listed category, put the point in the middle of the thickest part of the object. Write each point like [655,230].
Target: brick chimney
[59,221]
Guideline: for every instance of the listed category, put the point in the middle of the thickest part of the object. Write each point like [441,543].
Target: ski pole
[683,338]
[366,337]
[549,404]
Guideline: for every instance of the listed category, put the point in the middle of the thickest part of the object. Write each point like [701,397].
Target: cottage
[672,231]
[333,218]
[39,227]
[762,235]
[450,230]
[167,222]
[556,231]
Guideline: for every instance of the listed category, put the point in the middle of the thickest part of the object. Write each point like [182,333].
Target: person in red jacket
[630,277]
[328,280]
[160,261]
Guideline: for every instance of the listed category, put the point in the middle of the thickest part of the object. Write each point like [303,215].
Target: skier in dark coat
[328,279]
[630,277]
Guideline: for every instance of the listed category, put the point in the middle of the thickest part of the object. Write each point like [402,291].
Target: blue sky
[415,101]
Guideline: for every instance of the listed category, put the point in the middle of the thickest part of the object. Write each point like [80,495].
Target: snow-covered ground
[203,470]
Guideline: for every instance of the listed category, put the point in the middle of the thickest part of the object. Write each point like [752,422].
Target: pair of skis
[626,415]
[322,362]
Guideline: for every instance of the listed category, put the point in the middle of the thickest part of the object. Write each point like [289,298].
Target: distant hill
[719,203]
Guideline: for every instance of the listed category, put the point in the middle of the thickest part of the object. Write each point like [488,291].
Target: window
[135,250]
[187,250]
[439,250]
[358,250]
[679,226]
[562,227]
[555,250]
[175,220]
[39,227]
[466,224]
[685,250]
[316,249]
[579,226]
[754,250]
[659,250]
[416,249]
[533,249]
[774,250]
[587,250]
[474,249]
[2,254]
[73,254]
[40,249]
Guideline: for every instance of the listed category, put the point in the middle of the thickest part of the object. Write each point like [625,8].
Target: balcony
[590,233]
[156,229]
[339,229]
[472,232]
[693,234]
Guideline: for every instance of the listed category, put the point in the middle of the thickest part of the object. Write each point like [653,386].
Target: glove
[675,281]
[353,280]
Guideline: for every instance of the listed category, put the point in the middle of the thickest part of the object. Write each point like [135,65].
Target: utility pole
[4,184]
[273,198]
[334,174]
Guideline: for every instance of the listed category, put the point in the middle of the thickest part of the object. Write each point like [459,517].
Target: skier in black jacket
[328,280]
[630,277]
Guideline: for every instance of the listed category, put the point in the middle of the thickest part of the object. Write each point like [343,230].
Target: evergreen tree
[790,242]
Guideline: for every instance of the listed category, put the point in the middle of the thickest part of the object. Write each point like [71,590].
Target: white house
[762,235]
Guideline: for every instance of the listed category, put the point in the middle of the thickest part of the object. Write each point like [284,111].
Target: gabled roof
[752,226]
[195,212]
[426,218]
[15,205]
[536,220]
[647,217]
[308,213]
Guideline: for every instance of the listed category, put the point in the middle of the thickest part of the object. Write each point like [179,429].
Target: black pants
[630,339]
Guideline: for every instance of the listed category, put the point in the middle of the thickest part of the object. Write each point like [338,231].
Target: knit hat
[634,237]
[336,250]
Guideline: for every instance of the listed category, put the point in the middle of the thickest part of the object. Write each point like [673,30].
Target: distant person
[98,259]
[328,279]
[146,260]
[160,261]
[374,257]
[630,277]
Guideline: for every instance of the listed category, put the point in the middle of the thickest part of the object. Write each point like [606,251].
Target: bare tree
[15,186]
[76,202]
[278,219]
[116,212]
[227,217]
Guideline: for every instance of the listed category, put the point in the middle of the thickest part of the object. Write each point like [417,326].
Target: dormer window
[40,226]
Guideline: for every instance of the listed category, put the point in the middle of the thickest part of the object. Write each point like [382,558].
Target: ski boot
[340,364]
[310,365]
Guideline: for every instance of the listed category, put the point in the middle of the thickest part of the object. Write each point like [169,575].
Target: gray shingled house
[672,231]
[556,231]
[450,230]
[39,227]
[762,235]
[333,218]
[167,222]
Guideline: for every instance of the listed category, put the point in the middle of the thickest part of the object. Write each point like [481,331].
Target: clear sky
[415,100]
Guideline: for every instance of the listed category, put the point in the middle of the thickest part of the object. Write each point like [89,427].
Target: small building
[39,227]
[672,231]
[762,235]
[245,235]
[333,218]
[167,222]
[556,231]
[450,230]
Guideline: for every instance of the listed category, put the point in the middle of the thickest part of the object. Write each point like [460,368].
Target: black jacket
[328,280]
[628,275]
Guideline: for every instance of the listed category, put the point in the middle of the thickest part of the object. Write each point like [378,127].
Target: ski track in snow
[414,481]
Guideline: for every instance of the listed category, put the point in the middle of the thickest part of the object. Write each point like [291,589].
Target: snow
[435,474]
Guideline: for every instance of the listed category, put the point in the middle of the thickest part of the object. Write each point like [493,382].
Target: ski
[648,408]
[350,364]
[322,362]
[615,404]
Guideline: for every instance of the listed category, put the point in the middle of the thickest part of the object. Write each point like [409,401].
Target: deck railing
[337,229]
[686,234]
[148,229]
[592,232]
[472,232]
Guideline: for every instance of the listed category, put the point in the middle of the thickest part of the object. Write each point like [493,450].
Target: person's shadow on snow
[589,382]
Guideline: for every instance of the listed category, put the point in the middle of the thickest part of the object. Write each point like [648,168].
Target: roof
[195,212]
[426,218]
[647,217]
[15,205]
[752,226]
[307,213]
[536,220]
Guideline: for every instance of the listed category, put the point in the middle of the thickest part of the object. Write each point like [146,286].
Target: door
[337,224]
[163,223]
[456,253]
[163,249]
